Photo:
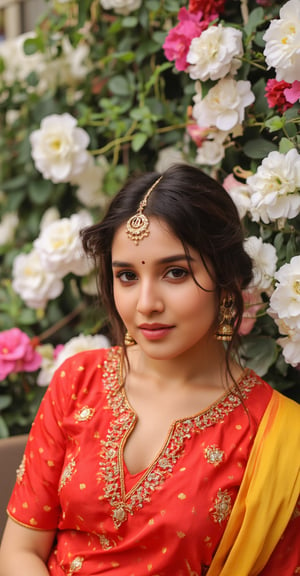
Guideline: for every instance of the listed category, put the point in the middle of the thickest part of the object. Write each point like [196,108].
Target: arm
[25,550]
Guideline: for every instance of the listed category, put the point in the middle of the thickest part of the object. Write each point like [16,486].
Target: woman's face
[156,296]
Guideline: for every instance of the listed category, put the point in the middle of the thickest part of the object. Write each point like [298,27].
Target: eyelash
[122,273]
[183,273]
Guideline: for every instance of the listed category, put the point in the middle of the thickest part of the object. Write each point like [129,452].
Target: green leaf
[138,141]
[119,85]
[279,241]
[5,401]
[256,18]
[40,191]
[285,145]
[14,183]
[130,22]
[260,104]
[4,431]
[275,123]
[259,353]
[258,148]
[31,46]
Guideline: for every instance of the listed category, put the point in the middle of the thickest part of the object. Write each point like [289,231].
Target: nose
[149,298]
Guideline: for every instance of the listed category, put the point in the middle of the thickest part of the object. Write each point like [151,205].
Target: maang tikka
[137,226]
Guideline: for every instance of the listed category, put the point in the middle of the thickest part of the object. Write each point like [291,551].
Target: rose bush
[103,89]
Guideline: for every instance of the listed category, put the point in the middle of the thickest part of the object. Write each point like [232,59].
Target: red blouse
[164,521]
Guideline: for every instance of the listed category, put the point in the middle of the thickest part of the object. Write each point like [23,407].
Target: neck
[205,367]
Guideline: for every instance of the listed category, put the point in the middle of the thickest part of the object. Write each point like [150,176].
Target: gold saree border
[267,496]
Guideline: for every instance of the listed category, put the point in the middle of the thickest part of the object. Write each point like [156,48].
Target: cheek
[122,301]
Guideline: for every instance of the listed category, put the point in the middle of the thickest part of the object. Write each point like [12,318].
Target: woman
[163,456]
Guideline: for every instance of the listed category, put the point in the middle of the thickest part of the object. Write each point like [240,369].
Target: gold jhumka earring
[138,225]
[227,316]
[129,340]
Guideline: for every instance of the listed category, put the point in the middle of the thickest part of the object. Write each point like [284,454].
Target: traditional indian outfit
[220,498]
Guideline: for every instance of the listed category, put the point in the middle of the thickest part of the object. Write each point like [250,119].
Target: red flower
[208,7]
[275,95]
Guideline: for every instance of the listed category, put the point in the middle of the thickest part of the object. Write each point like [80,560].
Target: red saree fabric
[165,521]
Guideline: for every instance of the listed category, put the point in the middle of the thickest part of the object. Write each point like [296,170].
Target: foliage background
[134,105]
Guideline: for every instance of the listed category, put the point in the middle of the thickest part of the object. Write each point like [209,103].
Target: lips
[155,331]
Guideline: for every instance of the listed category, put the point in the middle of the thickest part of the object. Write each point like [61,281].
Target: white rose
[216,53]
[59,148]
[168,156]
[32,282]
[49,216]
[212,149]
[59,245]
[80,344]
[264,258]
[90,183]
[20,65]
[48,364]
[282,50]
[8,225]
[121,6]
[291,348]
[275,187]
[75,60]
[285,300]
[224,105]
[240,194]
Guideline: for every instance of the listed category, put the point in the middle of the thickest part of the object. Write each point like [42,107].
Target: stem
[63,322]
[255,64]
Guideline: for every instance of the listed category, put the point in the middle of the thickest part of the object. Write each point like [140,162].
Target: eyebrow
[167,260]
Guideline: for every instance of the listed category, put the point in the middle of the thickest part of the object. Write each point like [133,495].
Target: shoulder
[84,368]
[89,360]
[262,396]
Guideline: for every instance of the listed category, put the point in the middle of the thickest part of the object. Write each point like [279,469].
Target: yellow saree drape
[267,496]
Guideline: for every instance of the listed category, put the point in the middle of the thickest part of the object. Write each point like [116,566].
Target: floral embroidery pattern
[67,473]
[76,565]
[21,470]
[111,463]
[84,414]
[213,454]
[222,507]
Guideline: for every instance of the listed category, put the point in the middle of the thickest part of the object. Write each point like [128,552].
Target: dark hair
[199,212]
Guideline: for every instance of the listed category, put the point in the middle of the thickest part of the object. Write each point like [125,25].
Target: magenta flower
[177,42]
[292,94]
[17,353]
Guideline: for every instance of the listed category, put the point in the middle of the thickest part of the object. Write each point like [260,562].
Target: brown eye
[177,273]
[126,276]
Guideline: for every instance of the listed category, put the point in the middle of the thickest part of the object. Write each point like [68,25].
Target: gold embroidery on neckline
[111,469]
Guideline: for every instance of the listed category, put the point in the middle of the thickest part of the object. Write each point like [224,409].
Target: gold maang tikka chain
[137,226]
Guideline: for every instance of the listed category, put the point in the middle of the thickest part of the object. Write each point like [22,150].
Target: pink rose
[230,182]
[17,353]
[292,94]
[177,42]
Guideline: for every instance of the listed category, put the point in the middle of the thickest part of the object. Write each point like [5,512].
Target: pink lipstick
[155,331]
